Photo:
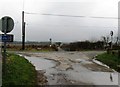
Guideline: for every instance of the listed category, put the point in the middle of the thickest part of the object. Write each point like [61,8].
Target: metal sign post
[4,54]
[6,26]
[111,33]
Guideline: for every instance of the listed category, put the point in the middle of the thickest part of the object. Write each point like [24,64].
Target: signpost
[111,33]
[6,26]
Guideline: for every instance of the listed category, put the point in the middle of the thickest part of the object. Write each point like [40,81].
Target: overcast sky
[64,21]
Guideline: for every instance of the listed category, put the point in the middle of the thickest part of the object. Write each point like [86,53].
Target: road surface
[71,68]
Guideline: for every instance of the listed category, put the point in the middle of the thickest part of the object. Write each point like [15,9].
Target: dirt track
[71,68]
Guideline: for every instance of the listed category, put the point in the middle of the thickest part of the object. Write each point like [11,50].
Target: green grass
[19,71]
[111,60]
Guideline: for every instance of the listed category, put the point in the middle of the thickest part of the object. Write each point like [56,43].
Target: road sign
[111,33]
[119,32]
[6,38]
[6,24]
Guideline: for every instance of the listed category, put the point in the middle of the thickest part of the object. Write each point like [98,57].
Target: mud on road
[70,68]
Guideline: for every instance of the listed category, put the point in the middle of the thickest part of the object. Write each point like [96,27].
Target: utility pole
[23,31]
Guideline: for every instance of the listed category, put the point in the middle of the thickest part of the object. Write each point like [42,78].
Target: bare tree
[105,40]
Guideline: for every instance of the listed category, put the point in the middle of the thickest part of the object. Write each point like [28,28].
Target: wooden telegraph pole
[23,31]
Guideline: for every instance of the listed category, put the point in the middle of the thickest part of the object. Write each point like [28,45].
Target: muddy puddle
[77,74]
[41,63]
[92,77]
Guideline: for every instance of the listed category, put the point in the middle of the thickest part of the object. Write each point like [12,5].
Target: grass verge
[111,60]
[19,71]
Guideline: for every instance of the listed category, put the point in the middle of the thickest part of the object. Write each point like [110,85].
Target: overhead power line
[105,17]
[63,15]
[72,16]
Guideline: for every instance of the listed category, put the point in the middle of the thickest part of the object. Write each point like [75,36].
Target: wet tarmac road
[72,68]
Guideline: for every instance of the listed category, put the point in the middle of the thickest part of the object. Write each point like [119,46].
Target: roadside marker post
[111,33]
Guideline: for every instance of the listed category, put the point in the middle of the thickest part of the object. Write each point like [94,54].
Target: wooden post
[23,31]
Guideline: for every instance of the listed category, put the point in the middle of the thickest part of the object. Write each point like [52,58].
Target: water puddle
[40,63]
[97,78]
